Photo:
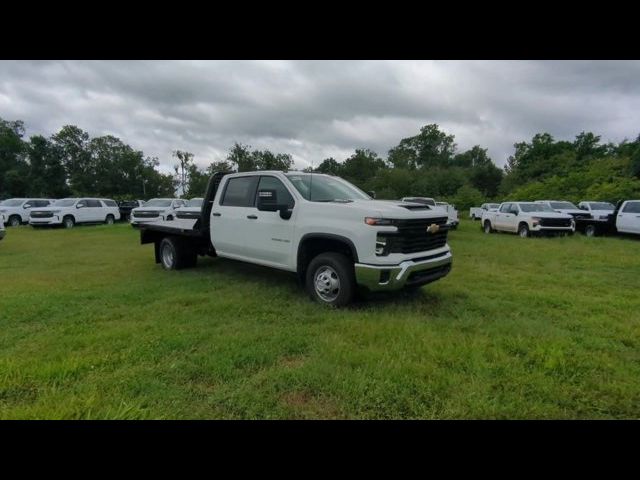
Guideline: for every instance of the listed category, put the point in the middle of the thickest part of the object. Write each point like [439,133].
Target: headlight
[535,221]
[379,221]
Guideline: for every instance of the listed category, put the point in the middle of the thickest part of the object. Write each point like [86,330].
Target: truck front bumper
[415,272]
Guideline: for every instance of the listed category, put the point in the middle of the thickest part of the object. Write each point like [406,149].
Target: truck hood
[4,209]
[549,215]
[52,208]
[571,211]
[392,209]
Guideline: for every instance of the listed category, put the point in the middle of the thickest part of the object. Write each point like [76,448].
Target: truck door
[229,223]
[501,216]
[270,237]
[628,219]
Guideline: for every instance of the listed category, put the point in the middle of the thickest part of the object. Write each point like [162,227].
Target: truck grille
[412,235]
[555,222]
[146,214]
[41,214]
[188,215]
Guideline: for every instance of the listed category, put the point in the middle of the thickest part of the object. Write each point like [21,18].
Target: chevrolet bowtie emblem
[433,228]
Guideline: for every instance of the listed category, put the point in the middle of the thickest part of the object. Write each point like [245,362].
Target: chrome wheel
[524,232]
[14,222]
[327,283]
[168,257]
[109,220]
[68,223]
[487,227]
[590,231]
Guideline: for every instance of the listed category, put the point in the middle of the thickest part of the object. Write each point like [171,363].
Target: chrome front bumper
[394,277]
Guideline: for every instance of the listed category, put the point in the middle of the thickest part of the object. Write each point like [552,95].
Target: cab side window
[506,208]
[632,207]
[273,183]
[93,203]
[240,192]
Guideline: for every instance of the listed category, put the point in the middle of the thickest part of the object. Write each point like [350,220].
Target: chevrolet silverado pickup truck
[625,218]
[475,213]
[335,237]
[526,219]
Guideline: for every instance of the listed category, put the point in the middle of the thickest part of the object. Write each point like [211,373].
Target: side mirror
[268,202]
[26,205]
[79,205]
[372,194]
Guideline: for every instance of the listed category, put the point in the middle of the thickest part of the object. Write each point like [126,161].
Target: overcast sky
[317,109]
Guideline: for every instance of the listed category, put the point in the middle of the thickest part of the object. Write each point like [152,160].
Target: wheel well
[521,224]
[68,215]
[311,247]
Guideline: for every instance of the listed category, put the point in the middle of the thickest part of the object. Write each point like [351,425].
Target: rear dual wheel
[176,254]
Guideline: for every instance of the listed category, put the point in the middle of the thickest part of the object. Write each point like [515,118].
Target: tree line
[70,162]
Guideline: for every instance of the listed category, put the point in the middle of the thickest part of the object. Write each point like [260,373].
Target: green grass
[90,327]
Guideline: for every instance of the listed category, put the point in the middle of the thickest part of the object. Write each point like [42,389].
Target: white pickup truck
[475,213]
[625,218]
[331,234]
[452,213]
[527,218]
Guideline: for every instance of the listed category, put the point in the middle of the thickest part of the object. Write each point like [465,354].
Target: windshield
[14,202]
[601,206]
[318,188]
[158,202]
[65,202]
[196,202]
[535,207]
[493,205]
[563,205]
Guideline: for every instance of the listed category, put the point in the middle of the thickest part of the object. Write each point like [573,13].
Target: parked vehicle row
[16,211]
[71,211]
[560,217]
[157,209]
[335,237]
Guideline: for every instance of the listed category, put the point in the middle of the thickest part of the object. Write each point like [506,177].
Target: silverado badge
[433,228]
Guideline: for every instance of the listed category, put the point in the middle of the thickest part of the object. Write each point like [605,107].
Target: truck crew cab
[624,219]
[329,232]
[527,219]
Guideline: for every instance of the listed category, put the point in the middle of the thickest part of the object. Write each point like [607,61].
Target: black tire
[473,217]
[110,220]
[14,221]
[68,222]
[170,217]
[175,254]
[487,227]
[330,279]
[523,230]
[590,231]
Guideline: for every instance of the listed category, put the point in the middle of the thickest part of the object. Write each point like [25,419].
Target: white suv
[16,211]
[70,211]
[157,209]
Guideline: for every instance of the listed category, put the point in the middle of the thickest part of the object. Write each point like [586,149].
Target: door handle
[252,217]
[217,214]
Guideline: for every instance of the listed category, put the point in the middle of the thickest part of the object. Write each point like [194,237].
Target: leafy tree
[330,166]
[73,144]
[475,157]
[47,175]
[487,179]
[13,166]
[182,169]
[430,148]
[467,197]
[241,156]
[362,166]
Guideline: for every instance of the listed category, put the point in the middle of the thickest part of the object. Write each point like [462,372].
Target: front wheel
[330,279]
[590,231]
[110,220]
[68,222]
[15,221]
[523,230]
[487,227]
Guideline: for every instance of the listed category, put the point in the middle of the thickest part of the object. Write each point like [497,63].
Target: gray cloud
[317,109]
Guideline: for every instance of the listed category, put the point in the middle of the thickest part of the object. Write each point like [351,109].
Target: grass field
[90,327]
